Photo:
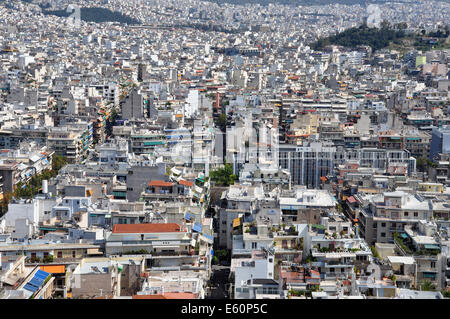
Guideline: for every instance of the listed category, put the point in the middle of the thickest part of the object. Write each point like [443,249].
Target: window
[406,214]
[383,224]
[433,264]
[74,253]
[59,255]
[254,245]
[416,214]
[383,234]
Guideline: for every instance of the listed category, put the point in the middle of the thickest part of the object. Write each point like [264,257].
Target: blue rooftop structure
[37,281]
[188,216]
[30,288]
[197,227]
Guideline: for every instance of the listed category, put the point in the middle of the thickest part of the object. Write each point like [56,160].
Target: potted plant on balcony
[48,259]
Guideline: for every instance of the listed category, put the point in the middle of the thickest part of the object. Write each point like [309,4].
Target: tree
[427,285]
[223,176]
[48,259]
[33,186]
[58,162]
[222,121]
[4,202]
[221,254]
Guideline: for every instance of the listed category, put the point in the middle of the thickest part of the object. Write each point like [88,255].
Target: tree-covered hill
[386,36]
[95,14]
[362,35]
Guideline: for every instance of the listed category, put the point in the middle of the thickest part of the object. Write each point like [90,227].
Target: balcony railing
[338,265]
[241,251]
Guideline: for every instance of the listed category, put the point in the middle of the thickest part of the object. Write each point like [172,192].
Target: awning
[94,251]
[403,235]
[197,227]
[30,288]
[351,200]
[432,246]
[41,274]
[236,222]
[207,238]
[54,269]
[188,216]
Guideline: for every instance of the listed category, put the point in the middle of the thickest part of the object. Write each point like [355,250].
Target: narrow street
[219,280]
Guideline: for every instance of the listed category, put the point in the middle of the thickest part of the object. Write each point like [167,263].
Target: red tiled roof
[186,183]
[146,228]
[160,183]
[315,273]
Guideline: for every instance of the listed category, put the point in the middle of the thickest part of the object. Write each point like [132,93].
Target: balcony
[287,250]
[241,251]
[338,265]
[427,269]
[173,254]
[335,275]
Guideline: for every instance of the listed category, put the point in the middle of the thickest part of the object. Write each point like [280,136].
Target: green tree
[222,121]
[374,252]
[427,285]
[223,176]
[58,162]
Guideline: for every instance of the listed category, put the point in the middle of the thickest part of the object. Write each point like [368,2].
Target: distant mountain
[95,15]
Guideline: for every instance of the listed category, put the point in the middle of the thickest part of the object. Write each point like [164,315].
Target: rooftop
[146,228]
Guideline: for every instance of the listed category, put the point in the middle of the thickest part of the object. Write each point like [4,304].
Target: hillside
[95,15]
[385,37]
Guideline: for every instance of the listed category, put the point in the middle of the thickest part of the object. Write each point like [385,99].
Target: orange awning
[185,183]
[236,222]
[160,183]
[54,269]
